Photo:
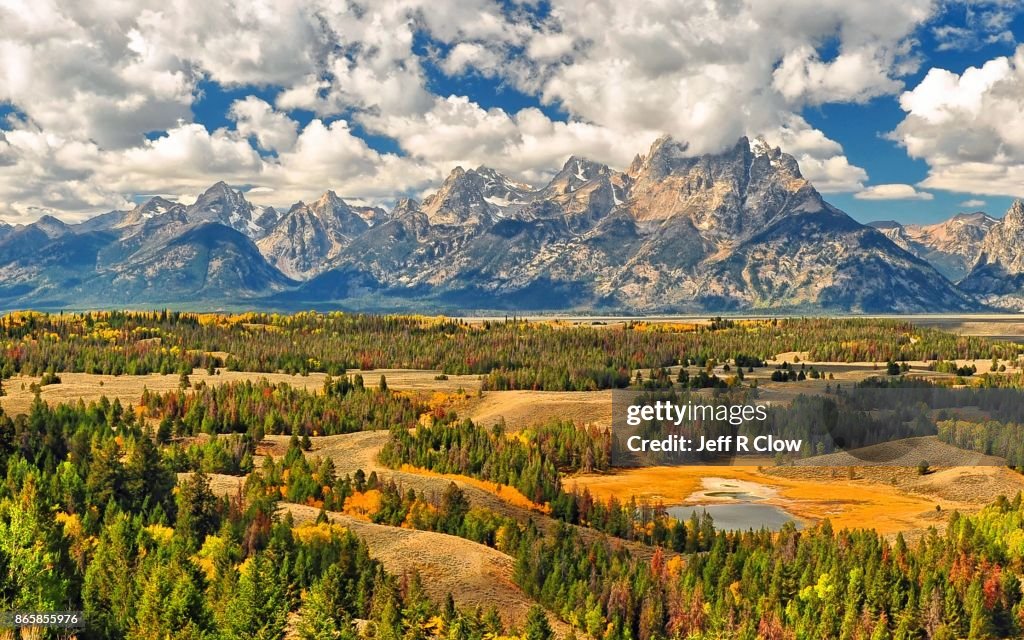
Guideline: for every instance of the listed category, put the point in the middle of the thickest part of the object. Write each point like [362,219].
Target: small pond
[735,505]
[741,515]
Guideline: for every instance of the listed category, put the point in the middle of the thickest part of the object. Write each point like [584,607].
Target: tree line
[344,405]
[513,354]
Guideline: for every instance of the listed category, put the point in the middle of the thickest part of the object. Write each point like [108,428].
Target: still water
[735,505]
[741,515]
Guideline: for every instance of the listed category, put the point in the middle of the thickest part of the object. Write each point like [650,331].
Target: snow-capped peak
[220,203]
[759,146]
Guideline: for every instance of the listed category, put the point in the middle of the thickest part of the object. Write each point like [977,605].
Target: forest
[92,518]
[260,408]
[511,354]
[109,508]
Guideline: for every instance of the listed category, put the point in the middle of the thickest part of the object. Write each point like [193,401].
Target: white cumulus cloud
[105,93]
[892,192]
[969,127]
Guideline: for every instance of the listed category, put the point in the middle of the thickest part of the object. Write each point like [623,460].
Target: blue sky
[861,130]
[905,110]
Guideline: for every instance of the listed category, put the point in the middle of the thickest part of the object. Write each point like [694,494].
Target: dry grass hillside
[474,574]
[525,408]
[353,451]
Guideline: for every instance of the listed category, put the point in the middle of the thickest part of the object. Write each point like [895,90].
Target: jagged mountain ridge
[997,276]
[304,241]
[951,246]
[675,232]
[738,230]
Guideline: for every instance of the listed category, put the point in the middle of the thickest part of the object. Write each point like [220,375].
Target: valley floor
[890,500]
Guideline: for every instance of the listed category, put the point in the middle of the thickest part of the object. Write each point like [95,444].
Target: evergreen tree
[320,617]
[197,509]
[259,608]
[537,625]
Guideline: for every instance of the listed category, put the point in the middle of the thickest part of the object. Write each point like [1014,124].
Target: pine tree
[171,604]
[109,591]
[319,617]
[146,479]
[197,509]
[106,473]
[259,608]
[537,626]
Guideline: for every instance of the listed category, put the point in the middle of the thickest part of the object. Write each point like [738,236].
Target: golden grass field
[523,408]
[888,499]
[353,451]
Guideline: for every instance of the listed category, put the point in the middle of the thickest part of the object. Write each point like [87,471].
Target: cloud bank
[103,95]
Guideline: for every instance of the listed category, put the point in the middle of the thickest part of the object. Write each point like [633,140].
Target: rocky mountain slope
[951,246]
[304,241]
[739,230]
[998,275]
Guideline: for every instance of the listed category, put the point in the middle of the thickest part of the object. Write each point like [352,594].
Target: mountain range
[741,230]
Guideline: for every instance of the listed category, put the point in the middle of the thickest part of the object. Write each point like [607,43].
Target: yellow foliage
[161,534]
[72,524]
[440,399]
[323,532]
[211,319]
[362,505]
[416,511]
[503,538]
[435,624]
[212,547]
[243,566]
[734,589]
[674,566]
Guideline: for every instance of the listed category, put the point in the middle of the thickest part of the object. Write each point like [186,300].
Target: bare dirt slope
[474,574]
